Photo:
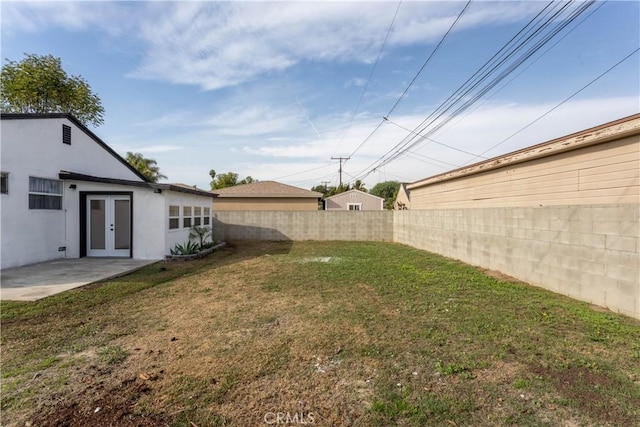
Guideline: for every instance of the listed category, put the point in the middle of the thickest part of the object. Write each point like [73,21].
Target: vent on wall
[66,134]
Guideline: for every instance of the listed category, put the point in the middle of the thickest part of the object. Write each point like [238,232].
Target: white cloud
[214,45]
[220,44]
[35,16]
[358,82]
[255,120]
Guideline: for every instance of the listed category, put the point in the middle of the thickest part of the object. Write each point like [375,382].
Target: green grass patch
[357,333]
[112,355]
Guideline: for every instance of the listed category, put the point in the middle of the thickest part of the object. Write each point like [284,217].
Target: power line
[515,44]
[524,36]
[466,6]
[340,168]
[375,64]
[301,172]
[600,4]
[561,103]
[424,65]
[431,139]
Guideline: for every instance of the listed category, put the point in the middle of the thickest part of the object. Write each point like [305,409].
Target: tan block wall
[317,225]
[264,204]
[590,253]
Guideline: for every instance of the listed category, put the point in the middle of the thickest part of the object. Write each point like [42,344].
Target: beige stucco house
[266,196]
[354,200]
[595,166]
[403,199]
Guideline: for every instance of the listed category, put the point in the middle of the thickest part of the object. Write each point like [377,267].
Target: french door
[108,225]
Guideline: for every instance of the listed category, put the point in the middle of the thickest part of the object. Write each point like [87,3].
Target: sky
[274,90]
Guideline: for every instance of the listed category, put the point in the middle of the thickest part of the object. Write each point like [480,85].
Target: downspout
[64,204]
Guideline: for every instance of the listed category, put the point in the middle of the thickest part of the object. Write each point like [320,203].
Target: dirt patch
[100,398]
[593,389]
[500,276]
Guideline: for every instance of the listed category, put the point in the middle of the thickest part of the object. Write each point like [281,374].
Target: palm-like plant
[147,167]
[359,185]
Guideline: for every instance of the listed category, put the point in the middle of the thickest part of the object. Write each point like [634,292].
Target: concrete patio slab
[36,281]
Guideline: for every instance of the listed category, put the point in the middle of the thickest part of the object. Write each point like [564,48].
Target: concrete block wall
[304,225]
[591,253]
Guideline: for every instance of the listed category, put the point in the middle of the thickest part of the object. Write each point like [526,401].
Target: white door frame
[108,222]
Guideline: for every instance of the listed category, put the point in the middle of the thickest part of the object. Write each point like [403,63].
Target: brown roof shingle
[266,189]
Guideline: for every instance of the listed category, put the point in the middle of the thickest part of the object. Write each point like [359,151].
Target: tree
[358,185]
[228,179]
[331,191]
[38,84]
[147,167]
[321,189]
[388,190]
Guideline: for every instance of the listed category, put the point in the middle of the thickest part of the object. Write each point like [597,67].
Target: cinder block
[579,226]
[592,268]
[628,288]
[630,228]
[558,225]
[622,243]
[607,227]
[627,305]
[593,240]
[623,273]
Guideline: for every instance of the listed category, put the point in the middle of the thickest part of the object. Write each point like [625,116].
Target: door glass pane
[97,225]
[122,223]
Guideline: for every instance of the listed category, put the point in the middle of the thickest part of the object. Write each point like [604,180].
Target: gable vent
[66,134]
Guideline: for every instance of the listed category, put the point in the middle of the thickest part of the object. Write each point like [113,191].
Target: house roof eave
[73,176]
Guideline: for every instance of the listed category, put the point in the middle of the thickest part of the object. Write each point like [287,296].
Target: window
[354,206]
[207,216]
[186,213]
[4,183]
[197,215]
[45,193]
[66,134]
[174,217]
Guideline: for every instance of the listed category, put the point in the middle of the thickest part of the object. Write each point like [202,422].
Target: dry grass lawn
[317,333]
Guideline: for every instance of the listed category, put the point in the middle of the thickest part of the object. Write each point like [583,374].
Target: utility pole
[340,169]
[325,185]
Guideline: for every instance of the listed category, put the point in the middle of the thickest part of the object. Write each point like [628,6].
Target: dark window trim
[82,203]
[33,195]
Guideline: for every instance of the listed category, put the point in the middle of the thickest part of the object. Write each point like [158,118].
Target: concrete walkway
[32,282]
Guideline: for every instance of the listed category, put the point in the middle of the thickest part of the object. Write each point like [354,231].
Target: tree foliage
[388,190]
[333,190]
[147,167]
[228,179]
[358,185]
[38,84]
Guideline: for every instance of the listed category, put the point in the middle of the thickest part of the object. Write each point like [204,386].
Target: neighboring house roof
[79,125]
[355,191]
[181,188]
[266,189]
[403,194]
[597,135]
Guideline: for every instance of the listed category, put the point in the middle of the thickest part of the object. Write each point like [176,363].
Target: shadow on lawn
[95,294]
